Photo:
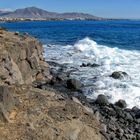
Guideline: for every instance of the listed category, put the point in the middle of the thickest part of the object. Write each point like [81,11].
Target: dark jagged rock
[121,104]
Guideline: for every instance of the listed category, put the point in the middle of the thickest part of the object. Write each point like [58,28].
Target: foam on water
[97,80]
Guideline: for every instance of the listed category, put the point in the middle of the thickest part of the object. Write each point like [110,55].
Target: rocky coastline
[117,121]
[38,102]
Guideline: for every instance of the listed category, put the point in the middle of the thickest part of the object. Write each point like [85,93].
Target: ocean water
[114,45]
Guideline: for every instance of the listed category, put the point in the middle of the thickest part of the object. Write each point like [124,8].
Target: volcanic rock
[102,100]
[120,75]
[74,84]
[121,104]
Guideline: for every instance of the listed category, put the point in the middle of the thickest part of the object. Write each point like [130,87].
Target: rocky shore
[28,112]
[117,121]
[38,102]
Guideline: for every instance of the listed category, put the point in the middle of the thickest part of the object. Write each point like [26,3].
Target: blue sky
[102,8]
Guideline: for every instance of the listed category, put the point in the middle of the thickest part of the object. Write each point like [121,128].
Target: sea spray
[97,80]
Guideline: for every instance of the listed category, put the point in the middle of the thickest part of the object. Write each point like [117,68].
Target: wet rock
[89,65]
[102,100]
[95,65]
[16,33]
[83,65]
[120,75]
[121,104]
[138,114]
[135,109]
[74,84]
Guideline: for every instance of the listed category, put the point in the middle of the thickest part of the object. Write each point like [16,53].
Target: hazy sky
[102,8]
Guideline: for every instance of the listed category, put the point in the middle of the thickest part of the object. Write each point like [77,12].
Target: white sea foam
[110,59]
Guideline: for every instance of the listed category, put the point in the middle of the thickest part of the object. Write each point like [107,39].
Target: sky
[101,8]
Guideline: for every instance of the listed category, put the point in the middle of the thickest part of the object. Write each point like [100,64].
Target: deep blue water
[121,34]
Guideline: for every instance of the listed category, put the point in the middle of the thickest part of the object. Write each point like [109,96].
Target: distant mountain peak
[35,13]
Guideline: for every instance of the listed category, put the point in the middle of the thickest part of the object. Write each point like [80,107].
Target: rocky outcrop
[117,121]
[28,113]
[47,115]
[21,59]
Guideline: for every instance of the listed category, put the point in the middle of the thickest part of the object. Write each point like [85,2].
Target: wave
[110,60]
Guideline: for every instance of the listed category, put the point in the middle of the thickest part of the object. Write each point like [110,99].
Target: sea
[112,44]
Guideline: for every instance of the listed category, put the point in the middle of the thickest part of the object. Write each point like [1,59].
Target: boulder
[135,109]
[120,75]
[102,100]
[121,104]
[74,84]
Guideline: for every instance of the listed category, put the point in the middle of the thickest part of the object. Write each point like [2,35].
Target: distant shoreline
[38,14]
[44,20]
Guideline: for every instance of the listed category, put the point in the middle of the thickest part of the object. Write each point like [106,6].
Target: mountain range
[37,13]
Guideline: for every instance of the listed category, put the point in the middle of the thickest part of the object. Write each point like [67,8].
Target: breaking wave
[97,80]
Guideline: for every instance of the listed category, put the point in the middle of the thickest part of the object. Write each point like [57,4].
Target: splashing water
[97,80]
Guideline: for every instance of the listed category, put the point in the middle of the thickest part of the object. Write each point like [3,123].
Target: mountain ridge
[35,13]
